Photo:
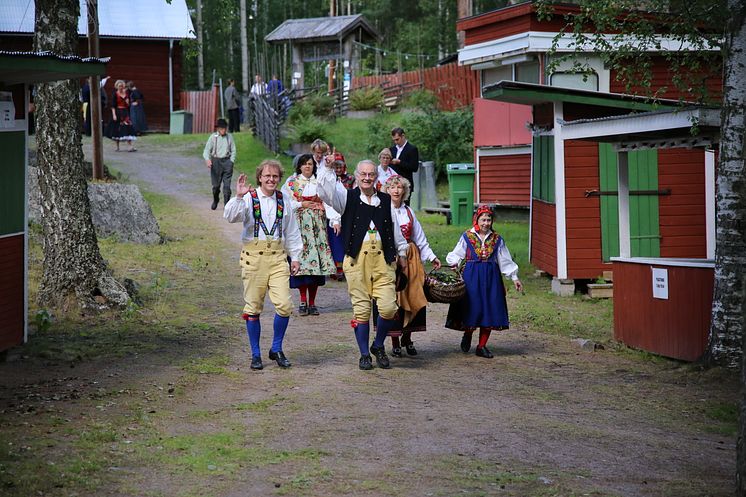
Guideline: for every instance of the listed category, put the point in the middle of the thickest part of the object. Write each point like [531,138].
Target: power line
[384,52]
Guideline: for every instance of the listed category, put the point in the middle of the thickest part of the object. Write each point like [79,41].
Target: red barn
[142,38]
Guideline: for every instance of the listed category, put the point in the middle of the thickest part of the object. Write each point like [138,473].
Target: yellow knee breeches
[369,277]
[264,267]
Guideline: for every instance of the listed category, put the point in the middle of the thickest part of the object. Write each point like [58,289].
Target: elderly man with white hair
[373,243]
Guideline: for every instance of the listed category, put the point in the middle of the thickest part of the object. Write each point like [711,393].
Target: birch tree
[74,273]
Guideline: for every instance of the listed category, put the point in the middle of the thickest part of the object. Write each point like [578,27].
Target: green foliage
[308,129]
[300,110]
[42,320]
[366,98]
[379,133]
[442,137]
[421,100]
[321,104]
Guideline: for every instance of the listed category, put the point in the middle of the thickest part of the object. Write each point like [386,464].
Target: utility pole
[94,83]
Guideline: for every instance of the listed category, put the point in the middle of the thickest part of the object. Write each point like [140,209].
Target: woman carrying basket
[484,305]
[411,300]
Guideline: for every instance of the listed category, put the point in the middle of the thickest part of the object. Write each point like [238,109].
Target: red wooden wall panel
[544,236]
[662,77]
[500,124]
[677,327]
[11,291]
[505,179]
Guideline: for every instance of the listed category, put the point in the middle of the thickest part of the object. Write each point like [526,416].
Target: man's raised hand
[243,187]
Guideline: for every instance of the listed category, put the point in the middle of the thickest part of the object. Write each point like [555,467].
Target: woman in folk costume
[316,260]
[411,300]
[484,305]
[335,237]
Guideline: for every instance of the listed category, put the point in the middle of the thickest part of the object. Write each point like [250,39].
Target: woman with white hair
[411,300]
[384,167]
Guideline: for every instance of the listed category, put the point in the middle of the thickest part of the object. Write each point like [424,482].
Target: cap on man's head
[222,123]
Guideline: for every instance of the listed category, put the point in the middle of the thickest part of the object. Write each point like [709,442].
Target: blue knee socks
[382,331]
[362,335]
[281,326]
[254,329]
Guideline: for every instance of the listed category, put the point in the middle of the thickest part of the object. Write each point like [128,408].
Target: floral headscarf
[482,209]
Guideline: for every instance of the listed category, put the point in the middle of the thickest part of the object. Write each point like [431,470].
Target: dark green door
[643,206]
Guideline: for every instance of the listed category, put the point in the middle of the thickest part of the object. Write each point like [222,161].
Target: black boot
[226,198]
[215,198]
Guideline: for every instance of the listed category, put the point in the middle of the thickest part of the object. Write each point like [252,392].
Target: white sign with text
[660,283]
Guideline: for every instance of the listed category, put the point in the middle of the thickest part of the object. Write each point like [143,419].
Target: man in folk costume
[270,236]
[373,242]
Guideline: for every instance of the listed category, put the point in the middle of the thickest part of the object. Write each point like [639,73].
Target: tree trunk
[244,50]
[200,48]
[726,345]
[74,271]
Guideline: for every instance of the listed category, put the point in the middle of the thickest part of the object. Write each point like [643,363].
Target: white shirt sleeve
[235,211]
[330,190]
[458,253]
[333,216]
[399,240]
[419,239]
[507,266]
[291,236]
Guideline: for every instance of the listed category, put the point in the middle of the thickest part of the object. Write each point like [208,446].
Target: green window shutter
[607,162]
[543,168]
[12,186]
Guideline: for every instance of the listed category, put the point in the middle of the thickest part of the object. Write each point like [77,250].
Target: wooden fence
[204,107]
[266,121]
[455,86]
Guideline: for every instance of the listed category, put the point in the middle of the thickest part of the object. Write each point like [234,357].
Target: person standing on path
[232,105]
[372,240]
[405,157]
[484,305]
[220,155]
[270,235]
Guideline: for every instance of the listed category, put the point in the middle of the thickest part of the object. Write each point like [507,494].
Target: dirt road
[543,418]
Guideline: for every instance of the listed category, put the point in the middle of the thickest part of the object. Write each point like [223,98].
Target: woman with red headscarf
[484,305]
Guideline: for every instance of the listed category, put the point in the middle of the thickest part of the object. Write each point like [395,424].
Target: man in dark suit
[406,158]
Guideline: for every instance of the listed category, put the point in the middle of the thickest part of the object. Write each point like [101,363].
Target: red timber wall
[682,214]
[11,291]
[677,327]
[544,236]
[455,86]
[583,214]
[143,61]
[505,179]
[662,77]
[509,21]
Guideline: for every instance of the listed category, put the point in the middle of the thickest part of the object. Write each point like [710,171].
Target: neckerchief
[258,221]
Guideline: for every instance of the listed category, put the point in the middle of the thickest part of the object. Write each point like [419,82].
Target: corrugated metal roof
[116,18]
[320,29]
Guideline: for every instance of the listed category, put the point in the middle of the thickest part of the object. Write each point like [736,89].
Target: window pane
[497,74]
[527,72]
[576,81]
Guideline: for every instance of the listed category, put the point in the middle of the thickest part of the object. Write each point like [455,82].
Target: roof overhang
[321,29]
[542,42]
[533,94]
[684,127]
[40,67]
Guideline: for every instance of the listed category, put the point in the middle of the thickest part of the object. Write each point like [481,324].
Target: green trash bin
[461,192]
[181,123]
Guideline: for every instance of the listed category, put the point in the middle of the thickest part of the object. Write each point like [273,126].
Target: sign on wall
[660,283]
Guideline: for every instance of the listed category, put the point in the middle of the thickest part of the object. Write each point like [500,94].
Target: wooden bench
[439,210]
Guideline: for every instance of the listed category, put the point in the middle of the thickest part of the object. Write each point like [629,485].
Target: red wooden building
[512,44]
[142,38]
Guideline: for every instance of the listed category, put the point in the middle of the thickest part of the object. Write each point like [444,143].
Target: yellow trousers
[369,277]
[264,267]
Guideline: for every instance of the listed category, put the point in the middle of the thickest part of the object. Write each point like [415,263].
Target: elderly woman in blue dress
[411,299]
[484,305]
[316,260]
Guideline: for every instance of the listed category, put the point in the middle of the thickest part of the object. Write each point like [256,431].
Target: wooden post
[94,83]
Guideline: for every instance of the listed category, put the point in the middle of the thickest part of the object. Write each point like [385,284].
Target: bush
[379,133]
[421,99]
[300,110]
[312,105]
[443,137]
[307,129]
[366,99]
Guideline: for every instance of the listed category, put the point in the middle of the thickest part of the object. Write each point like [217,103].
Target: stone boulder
[117,210]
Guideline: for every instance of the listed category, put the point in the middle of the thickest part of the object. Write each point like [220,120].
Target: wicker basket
[444,292]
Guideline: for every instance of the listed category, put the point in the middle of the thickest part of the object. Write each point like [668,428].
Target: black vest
[356,221]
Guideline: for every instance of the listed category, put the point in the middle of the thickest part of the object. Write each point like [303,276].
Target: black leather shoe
[484,352]
[282,361]
[411,350]
[381,358]
[366,362]
[214,205]
[303,309]
[466,342]
[312,310]
[256,362]
[396,352]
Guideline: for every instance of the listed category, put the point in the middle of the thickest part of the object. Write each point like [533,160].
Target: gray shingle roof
[320,29]
[117,18]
